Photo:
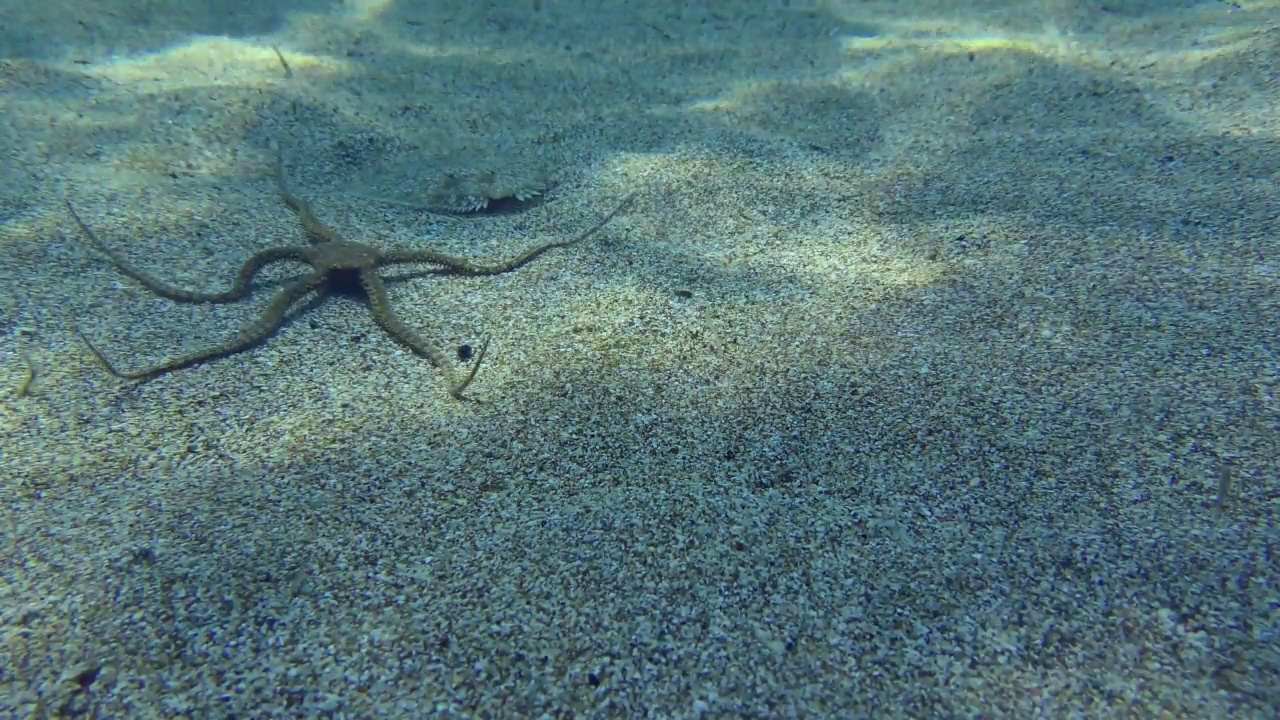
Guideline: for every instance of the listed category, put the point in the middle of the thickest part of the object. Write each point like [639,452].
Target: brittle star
[336,264]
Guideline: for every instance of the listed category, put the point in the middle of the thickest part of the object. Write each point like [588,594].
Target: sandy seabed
[933,372]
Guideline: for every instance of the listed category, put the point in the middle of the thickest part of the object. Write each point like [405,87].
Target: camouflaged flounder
[474,192]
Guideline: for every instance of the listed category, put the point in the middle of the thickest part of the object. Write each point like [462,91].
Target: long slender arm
[237,291]
[268,322]
[318,231]
[463,266]
[387,317]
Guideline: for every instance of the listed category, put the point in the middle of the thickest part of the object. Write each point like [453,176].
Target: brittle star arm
[239,290]
[318,231]
[463,266]
[268,322]
[387,318]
